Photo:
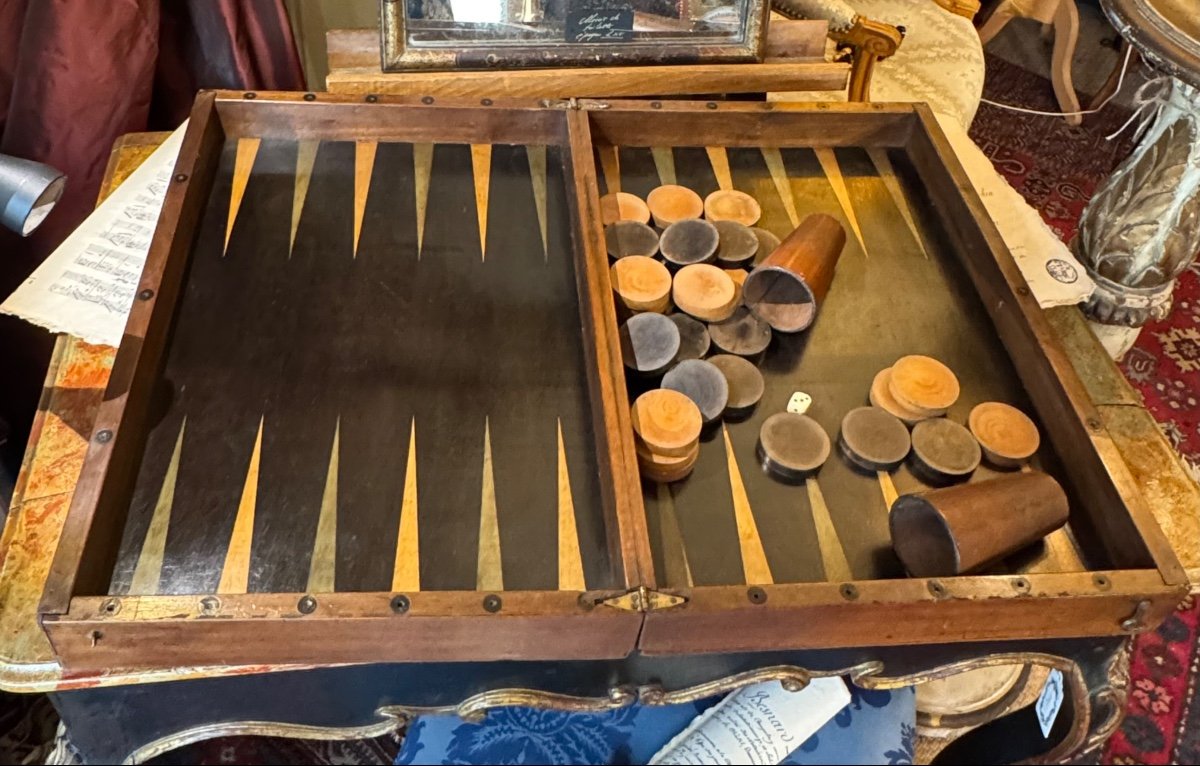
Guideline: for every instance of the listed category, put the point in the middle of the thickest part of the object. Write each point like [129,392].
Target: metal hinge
[559,103]
[644,600]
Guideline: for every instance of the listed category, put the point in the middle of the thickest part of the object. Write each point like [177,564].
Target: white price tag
[1050,701]
[799,403]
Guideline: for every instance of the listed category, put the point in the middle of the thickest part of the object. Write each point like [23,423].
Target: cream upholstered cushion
[939,62]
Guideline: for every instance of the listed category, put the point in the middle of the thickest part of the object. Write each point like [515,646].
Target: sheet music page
[1054,275]
[86,286]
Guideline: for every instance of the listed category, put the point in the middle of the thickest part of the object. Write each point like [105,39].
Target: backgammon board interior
[732,523]
[369,388]
[371,404]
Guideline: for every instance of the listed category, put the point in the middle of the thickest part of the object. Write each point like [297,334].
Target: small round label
[1063,271]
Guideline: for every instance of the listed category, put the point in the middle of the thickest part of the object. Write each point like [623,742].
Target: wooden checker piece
[693,240]
[746,383]
[623,206]
[767,242]
[943,451]
[625,238]
[1007,436]
[873,439]
[737,246]
[881,397]
[924,385]
[742,334]
[732,205]
[663,469]
[667,422]
[792,447]
[701,382]
[671,203]
[705,292]
[649,343]
[694,340]
[641,283]
[739,278]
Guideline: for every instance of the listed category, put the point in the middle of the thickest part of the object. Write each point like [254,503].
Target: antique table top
[75,386]
[1166,31]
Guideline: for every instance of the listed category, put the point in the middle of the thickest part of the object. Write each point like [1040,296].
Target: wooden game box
[370,404]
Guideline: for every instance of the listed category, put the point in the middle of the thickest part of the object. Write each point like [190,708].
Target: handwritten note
[87,285]
[598,24]
[759,724]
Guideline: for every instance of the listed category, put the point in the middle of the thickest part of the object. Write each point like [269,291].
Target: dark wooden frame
[396,57]
[95,631]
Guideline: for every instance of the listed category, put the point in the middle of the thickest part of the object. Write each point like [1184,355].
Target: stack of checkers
[915,388]
[678,265]
[666,427]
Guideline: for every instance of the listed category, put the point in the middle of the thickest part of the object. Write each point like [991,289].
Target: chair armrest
[866,41]
[869,42]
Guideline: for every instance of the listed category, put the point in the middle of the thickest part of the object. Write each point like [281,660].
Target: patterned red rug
[1057,168]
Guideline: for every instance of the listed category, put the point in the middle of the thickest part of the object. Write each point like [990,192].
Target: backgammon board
[370,405]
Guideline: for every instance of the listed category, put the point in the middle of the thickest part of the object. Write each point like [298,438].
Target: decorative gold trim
[258,729]
[867,675]
[1110,698]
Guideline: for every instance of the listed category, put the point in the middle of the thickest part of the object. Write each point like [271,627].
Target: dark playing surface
[879,308]
[323,341]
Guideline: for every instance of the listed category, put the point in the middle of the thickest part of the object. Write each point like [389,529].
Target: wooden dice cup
[787,288]
[962,529]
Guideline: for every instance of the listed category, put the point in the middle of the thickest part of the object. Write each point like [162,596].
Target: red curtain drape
[76,75]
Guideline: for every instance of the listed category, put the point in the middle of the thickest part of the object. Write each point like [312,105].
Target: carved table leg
[1142,228]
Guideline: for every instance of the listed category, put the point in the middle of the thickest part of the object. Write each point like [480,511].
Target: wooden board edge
[626,521]
[136,361]
[258,629]
[747,124]
[1052,381]
[597,82]
[891,613]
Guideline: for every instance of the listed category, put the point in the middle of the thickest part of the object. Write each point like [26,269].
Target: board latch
[644,600]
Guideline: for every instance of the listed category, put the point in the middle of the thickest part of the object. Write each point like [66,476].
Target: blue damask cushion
[876,727]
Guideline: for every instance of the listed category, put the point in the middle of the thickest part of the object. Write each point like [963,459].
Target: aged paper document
[86,286]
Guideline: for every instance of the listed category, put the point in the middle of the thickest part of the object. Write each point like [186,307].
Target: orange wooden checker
[623,206]
[732,205]
[1007,435]
[667,421]
[670,203]
[704,291]
[923,384]
[641,283]
[881,397]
